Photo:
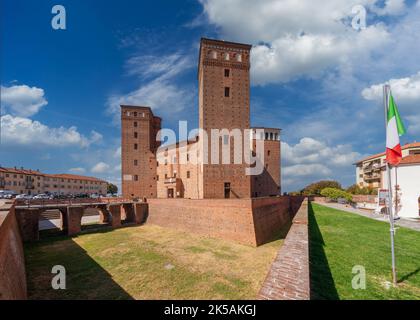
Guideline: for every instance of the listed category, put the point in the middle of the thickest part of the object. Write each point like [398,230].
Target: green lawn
[147,262]
[340,240]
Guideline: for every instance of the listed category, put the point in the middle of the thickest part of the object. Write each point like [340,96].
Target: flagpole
[387,90]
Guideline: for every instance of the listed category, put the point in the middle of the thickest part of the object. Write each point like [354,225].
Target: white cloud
[117,153]
[311,160]
[22,100]
[406,90]
[27,132]
[77,170]
[305,38]
[100,167]
[160,91]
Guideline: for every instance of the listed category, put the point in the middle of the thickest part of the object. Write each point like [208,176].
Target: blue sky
[313,75]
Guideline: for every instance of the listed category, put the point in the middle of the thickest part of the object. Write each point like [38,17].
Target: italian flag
[395,129]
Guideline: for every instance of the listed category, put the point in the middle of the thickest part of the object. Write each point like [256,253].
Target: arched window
[239,57]
[212,54]
[226,56]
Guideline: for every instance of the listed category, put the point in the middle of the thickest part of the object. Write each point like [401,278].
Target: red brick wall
[12,264]
[247,221]
[288,278]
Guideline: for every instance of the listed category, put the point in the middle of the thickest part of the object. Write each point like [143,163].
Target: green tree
[112,188]
[335,194]
[316,187]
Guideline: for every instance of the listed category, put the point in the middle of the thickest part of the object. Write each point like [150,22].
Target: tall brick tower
[139,128]
[224,94]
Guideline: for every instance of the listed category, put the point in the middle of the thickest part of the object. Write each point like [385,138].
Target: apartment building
[32,182]
[371,170]
[179,170]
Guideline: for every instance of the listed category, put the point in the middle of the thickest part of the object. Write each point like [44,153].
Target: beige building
[371,170]
[151,170]
[32,182]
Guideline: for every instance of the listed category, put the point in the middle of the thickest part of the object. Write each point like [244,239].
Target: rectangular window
[136,178]
[135,146]
[227,190]
[225,139]
[135,124]
[227,92]
[227,73]
[188,175]
[268,152]
[157,178]
[135,114]
[135,162]
[136,135]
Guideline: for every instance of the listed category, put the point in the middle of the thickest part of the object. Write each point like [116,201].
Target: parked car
[24,196]
[7,194]
[42,196]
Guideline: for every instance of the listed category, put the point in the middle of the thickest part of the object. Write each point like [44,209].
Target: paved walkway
[407,223]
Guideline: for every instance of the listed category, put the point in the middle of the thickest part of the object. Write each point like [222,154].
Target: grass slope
[340,240]
[148,262]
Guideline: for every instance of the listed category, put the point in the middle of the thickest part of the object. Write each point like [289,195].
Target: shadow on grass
[322,282]
[86,279]
[409,275]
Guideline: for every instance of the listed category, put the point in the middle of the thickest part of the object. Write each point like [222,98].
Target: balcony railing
[372,177]
[170,180]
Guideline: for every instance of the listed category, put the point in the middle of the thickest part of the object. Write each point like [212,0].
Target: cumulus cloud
[304,38]
[27,132]
[311,160]
[406,92]
[159,90]
[22,100]
[77,170]
[407,89]
[100,167]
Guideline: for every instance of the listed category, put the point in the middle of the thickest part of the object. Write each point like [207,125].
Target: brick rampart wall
[12,264]
[247,221]
[288,278]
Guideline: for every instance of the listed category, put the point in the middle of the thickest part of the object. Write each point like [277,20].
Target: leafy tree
[357,190]
[112,188]
[317,187]
[335,194]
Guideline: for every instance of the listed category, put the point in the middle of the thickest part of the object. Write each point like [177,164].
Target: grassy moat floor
[147,262]
[339,241]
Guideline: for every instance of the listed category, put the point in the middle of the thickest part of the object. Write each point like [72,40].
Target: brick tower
[139,128]
[224,94]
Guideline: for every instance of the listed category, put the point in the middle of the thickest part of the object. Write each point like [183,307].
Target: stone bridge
[111,213]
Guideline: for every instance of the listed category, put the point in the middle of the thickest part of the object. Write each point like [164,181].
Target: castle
[194,168]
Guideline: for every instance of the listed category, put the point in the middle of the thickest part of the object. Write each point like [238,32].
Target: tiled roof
[407,146]
[61,176]
[411,159]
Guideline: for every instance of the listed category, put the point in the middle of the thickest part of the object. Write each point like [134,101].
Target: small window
[239,58]
[227,92]
[135,114]
[135,124]
[268,152]
[157,178]
[188,175]
[135,146]
[226,56]
[136,178]
[136,162]
[213,54]
[225,139]
[188,157]
[136,135]
[227,73]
